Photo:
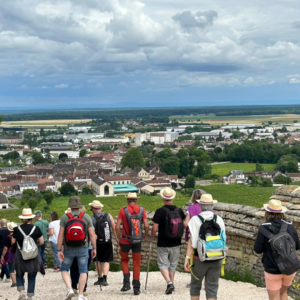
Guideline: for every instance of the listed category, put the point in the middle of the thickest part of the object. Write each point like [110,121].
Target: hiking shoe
[170,289]
[7,280]
[104,281]
[13,285]
[188,285]
[99,281]
[70,295]
[136,291]
[22,297]
[126,287]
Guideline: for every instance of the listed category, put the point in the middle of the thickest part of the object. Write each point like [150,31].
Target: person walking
[277,225]
[8,256]
[43,226]
[206,264]
[168,221]
[4,233]
[76,229]
[104,225]
[32,262]
[132,217]
[53,231]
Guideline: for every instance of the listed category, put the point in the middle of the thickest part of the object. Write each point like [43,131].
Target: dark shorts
[105,252]
[135,248]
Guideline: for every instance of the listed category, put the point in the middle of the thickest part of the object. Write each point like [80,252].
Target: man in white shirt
[210,269]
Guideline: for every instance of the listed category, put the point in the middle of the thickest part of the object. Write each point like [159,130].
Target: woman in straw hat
[8,255]
[31,266]
[276,282]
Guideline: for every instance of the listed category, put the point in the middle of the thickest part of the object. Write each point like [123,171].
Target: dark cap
[74,202]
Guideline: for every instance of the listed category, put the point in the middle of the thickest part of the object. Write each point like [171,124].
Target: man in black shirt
[4,233]
[168,221]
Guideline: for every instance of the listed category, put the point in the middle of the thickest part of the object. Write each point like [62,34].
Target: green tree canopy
[133,158]
[282,179]
[82,152]
[67,189]
[11,155]
[288,163]
[48,196]
[171,166]
[190,182]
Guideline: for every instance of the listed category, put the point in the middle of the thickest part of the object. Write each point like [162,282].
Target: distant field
[45,123]
[224,169]
[256,119]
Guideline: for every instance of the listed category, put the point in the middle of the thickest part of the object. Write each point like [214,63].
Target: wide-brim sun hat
[275,206]
[132,196]
[207,199]
[74,202]
[11,226]
[96,204]
[27,214]
[69,210]
[168,194]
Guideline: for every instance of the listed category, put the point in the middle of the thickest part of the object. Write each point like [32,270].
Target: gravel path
[51,287]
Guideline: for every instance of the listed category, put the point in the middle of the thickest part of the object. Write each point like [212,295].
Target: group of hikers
[76,239]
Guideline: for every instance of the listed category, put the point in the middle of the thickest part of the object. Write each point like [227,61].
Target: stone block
[235,253]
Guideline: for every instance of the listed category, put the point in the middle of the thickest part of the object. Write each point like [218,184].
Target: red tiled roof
[41,181]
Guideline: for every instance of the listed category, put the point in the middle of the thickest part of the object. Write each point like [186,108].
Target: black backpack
[174,224]
[284,251]
[209,227]
[102,229]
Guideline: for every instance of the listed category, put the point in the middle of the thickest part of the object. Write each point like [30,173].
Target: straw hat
[68,210]
[168,194]
[96,204]
[27,214]
[11,226]
[275,206]
[207,199]
[132,196]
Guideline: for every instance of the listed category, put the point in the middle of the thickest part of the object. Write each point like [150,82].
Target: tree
[183,152]
[29,192]
[259,167]
[37,158]
[266,183]
[1,119]
[171,166]
[67,189]
[190,182]
[287,163]
[282,179]
[86,191]
[133,158]
[11,155]
[32,203]
[47,154]
[48,196]
[63,156]
[42,132]
[202,168]
[82,152]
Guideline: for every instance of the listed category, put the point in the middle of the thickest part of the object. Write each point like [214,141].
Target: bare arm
[146,225]
[51,231]
[118,228]
[3,253]
[60,238]
[154,230]
[40,241]
[186,220]
[113,226]
[189,252]
[92,236]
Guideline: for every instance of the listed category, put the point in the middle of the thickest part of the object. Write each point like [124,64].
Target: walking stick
[98,273]
[150,250]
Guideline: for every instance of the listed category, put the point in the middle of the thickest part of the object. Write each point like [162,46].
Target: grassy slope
[224,169]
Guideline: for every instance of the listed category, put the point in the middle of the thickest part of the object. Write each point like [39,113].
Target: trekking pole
[149,256]
[98,273]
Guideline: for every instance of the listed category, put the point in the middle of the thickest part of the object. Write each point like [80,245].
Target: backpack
[135,235]
[102,229]
[29,249]
[174,227]
[284,251]
[75,231]
[212,240]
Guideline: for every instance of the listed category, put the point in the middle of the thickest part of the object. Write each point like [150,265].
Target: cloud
[44,87]
[249,80]
[294,80]
[200,19]
[61,86]
[293,76]
[296,25]
[99,85]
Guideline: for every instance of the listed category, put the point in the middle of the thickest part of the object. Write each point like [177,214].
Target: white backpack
[29,249]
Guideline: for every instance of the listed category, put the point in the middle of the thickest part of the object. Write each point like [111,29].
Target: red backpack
[75,231]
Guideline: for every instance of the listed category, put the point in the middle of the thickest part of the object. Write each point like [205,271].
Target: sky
[148,53]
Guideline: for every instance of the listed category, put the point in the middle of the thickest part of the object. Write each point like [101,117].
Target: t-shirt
[88,223]
[133,210]
[160,219]
[7,242]
[4,232]
[43,226]
[27,229]
[55,226]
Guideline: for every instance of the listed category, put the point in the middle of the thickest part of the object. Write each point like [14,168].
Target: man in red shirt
[132,217]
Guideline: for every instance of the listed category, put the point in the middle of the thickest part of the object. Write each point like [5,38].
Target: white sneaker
[82,298]
[70,295]
[7,280]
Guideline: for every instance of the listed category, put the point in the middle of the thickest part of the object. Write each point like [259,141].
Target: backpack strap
[32,230]
[284,227]
[215,218]
[140,214]
[81,215]
[70,216]
[22,231]
[265,232]
[201,219]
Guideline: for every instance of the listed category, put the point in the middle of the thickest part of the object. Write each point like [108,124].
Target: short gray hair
[207,207]
[38,213]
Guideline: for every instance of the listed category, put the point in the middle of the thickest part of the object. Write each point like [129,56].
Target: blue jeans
[31,283]
[82,255]
[4,270]
[42,252]
[56,261]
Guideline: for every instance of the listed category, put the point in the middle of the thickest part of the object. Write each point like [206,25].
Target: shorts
[135,248]
[82,255]
[211,271]
[105,252]
[11,268]
[167,257]
[275,282]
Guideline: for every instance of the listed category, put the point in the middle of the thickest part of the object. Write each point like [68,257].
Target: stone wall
[242,224]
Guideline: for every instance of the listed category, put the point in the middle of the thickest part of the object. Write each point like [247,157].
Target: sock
[80,296]
[71,290]
[169,282]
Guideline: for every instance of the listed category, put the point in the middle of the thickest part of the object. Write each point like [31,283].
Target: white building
[140,138]
[121,140]
[28,185]
[71,154]
[238,126]
[79,128]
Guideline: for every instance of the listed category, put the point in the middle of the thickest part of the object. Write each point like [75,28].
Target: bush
[190,182]
[23,202]
[48,197]
[46,207]
[32,204]
[266,183]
